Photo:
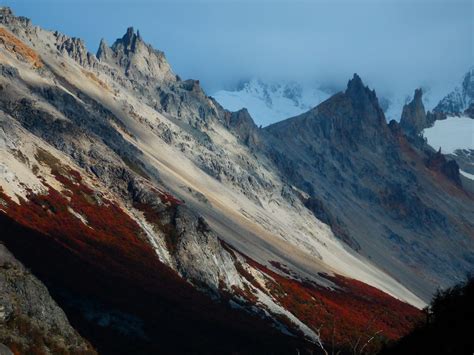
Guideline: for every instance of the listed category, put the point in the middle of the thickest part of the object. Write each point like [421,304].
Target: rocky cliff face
[31,321]
[154,199]
[344,154]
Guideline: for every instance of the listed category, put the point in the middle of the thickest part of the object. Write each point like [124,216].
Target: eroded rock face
[344,153]
[244,126]
[438,162]
[76,49]
[30,320]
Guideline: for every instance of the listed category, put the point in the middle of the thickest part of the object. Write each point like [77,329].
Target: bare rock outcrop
[30,320]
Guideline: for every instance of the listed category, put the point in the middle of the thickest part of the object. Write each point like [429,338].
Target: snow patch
[467,175]
[451,134]
[268,103]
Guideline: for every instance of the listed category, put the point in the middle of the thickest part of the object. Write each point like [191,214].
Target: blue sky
[392,44]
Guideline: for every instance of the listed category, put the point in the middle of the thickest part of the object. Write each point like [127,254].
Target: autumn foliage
[348,313]
[85,247]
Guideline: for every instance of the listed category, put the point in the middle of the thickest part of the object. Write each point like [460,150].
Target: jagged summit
[139,60]
[5,11]
[128,42]
[355,88]
[8,17]
[351,118]
[413,118]
[355,84]
[364,100]
[103,51]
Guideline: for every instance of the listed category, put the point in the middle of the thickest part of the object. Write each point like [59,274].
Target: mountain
[461,99]
[393,104]
[375,188]
[445,129]
[268,102]
[454,137]
[158,221]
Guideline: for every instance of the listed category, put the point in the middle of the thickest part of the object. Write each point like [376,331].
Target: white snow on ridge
[269,103]
[451,134]
[467,175]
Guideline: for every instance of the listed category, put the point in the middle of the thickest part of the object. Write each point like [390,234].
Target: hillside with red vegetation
[104,260]
[347,316]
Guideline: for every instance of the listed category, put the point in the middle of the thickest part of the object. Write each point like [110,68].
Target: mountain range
[139,216]
[272,101]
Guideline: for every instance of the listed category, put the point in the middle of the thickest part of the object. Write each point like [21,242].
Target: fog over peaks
[395,46]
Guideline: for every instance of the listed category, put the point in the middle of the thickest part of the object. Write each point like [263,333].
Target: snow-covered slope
[454,136]
[461,98]
[271,102]
[451,134]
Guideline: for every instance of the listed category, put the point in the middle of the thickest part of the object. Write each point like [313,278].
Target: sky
[394,45]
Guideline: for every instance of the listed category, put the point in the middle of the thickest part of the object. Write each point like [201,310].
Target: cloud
[393,45]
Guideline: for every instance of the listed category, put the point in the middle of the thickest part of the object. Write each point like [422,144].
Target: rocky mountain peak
[364,103]
[104,52]
[8,17]
[413,119]
[128,43]
[349,118]
[75,48]
[360,94]
[5,11]
[139,60]
[355,84]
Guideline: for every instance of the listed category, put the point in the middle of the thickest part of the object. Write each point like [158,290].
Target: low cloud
[393,45]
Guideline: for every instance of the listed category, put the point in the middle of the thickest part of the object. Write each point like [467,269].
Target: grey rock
[29,317]
[4,350]
[344,151]
[413,119]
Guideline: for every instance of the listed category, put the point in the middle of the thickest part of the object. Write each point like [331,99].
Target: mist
[393,45]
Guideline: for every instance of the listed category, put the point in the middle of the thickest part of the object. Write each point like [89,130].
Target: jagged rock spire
[5,11]
[136,58]
[413,119]
[128,41]
[359,92]
[104,52]
[364,101]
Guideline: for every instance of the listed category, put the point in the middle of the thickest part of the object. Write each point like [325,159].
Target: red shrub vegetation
[352,311]
[107,261]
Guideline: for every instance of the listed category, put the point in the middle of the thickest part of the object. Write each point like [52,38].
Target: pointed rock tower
[137,59]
